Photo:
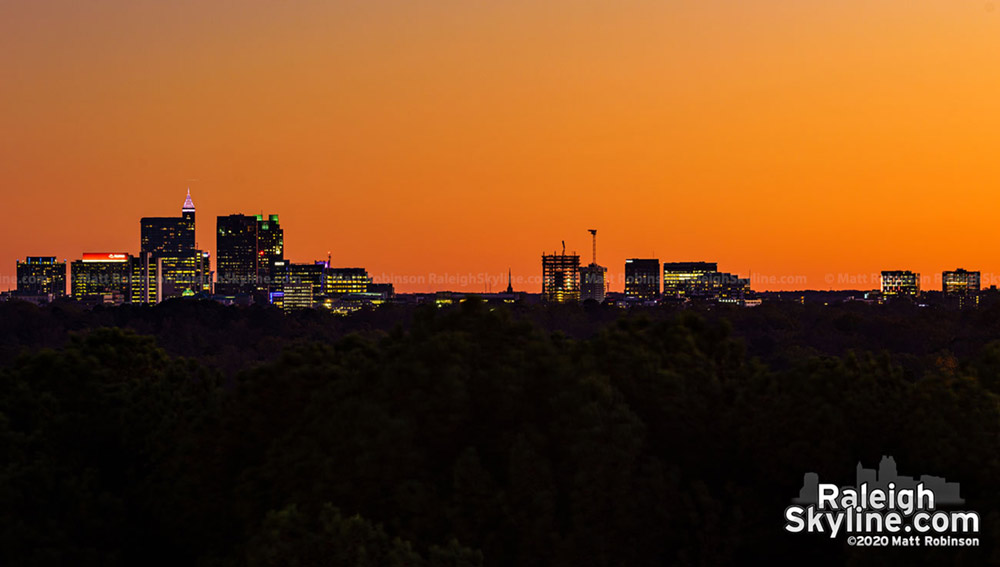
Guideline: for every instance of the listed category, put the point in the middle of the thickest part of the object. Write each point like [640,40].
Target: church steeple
[510,287]
[188,203]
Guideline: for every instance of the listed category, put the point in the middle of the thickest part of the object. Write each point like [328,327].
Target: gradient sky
[797,139]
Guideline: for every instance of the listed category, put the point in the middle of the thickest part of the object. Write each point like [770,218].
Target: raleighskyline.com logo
[884,509]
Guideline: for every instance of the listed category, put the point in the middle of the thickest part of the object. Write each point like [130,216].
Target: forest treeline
[195,434]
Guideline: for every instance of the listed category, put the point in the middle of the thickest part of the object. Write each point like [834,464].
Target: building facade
[41,275]
[642,278]
[593,282]
[298,285]
[105,274]
[900,283]
[145,279]
[169,235]
[184,275]
[338,282]
[963,285]
[960,282]
[270,249]
[169,264]
[247,249]
[677,276]
[718,286]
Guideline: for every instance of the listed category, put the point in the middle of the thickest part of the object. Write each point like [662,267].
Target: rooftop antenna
[564,247]
[593,233]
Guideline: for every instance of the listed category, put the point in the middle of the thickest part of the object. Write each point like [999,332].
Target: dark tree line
[193,434]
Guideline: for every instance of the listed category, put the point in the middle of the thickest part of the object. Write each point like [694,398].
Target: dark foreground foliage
[471,436]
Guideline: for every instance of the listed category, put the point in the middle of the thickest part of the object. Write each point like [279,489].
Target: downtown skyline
[778,140]
[492,281]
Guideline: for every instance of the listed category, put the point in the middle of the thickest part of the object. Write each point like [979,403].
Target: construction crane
[593,233]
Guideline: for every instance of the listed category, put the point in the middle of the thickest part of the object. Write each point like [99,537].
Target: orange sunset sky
[797,139]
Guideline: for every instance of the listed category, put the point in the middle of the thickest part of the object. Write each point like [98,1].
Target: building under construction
[593,278]
[561,277]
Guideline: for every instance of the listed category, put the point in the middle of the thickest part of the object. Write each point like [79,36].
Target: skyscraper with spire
[169,235]
[187,209]
[169,264]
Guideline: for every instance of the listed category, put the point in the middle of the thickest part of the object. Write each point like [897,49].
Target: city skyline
[774,139]
[172,238]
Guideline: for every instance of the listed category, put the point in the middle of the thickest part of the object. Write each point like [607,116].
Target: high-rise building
[247,248]
[593,277]
[145,282]
[560,277]
[41,275]
[270,249]
[168,264]
[642,278]
[169,235]
[298,286]
[677,276]
[593,282]
[962,284]
[184,275]
[900,283]
[235,255]
[106,274]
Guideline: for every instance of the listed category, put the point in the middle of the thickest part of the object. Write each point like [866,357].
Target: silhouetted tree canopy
[195,434]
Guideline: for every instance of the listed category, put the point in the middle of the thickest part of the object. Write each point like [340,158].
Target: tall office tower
[169,235]
[561,277]
[900,283]
[145,282]
[962,284]
[236,257]
[41,275]
[593,278]
[169,265]
[102,274]
[642,278]
[208,276]
[247,248]
[677,276]
[270,249]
